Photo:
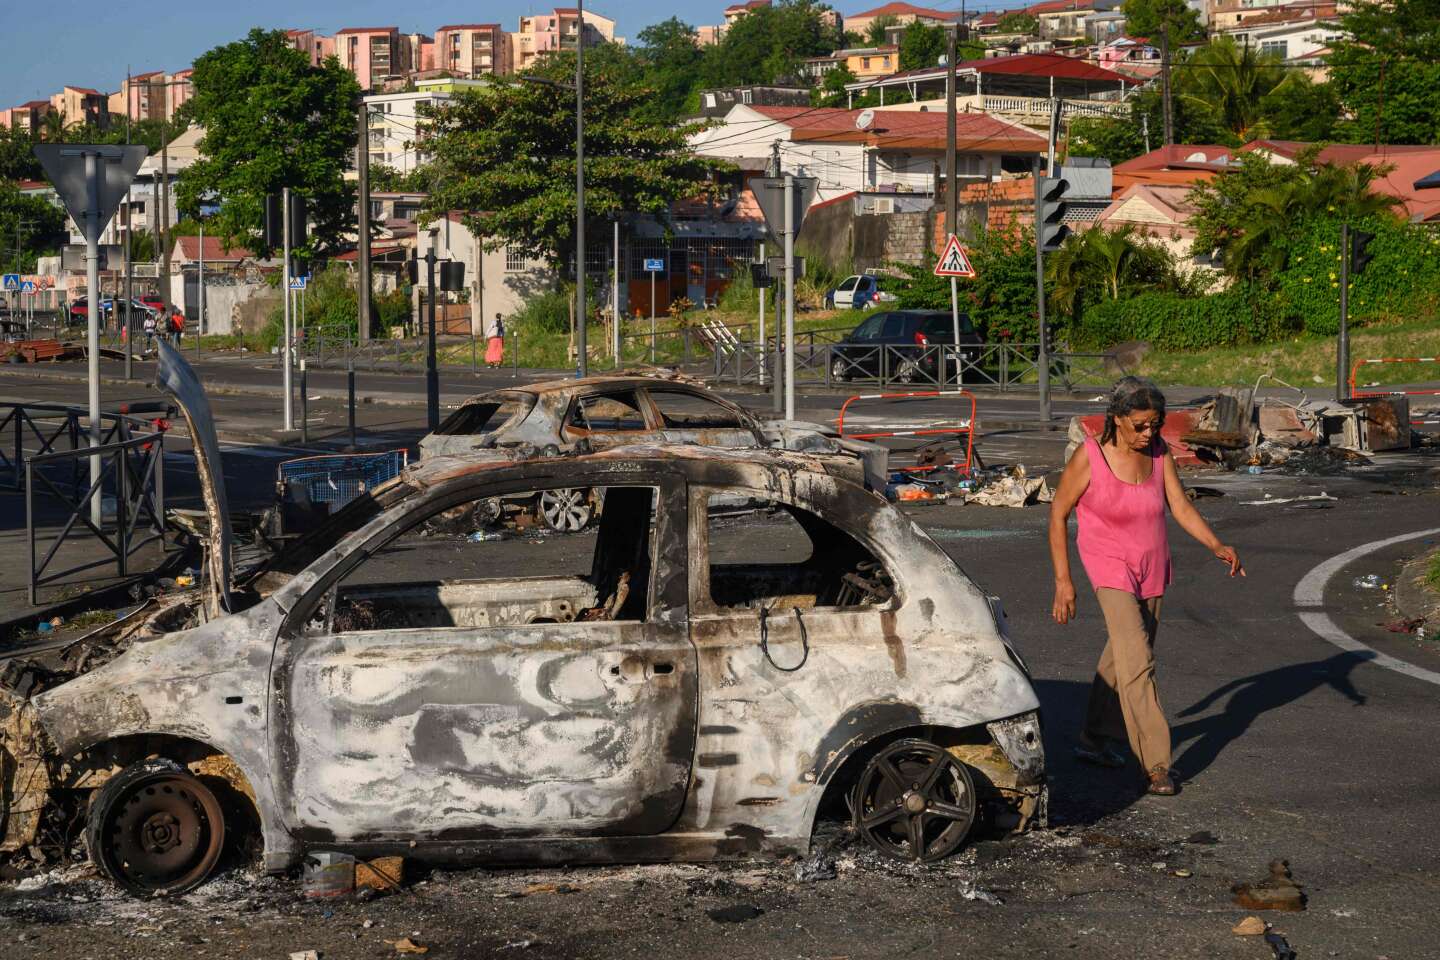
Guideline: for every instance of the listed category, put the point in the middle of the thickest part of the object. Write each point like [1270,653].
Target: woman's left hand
[1228,555]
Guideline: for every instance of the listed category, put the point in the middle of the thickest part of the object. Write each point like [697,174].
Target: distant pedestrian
[495,344]
[177,326]
[149,325]
[1119,487]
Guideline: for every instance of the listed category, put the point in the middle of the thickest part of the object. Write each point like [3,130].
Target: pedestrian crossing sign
[954,262]
[12,281]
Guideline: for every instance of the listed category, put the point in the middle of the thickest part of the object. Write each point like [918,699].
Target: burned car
[675,683]
[607,411]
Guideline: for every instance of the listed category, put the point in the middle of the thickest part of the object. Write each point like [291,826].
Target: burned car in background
[671,684]
[607,411]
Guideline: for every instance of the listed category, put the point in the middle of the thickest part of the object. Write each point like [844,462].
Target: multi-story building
[141,97]
[868,62]
[81,106]
[417,52]
[898,13]
[394,121]
[472,50]
[305,42]
[558,30]
[371,53]
[711,35]
[181,88]
[28,117]
[1294,32]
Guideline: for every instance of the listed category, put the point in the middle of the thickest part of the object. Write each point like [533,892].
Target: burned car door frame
[745,430]
[528,730]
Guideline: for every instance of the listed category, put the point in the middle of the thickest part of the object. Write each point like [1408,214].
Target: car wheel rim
[566,510]
[164,833]
[837,369]
[914,802]
[907,372]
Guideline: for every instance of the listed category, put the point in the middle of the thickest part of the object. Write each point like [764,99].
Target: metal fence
[50,460]
[1000,366]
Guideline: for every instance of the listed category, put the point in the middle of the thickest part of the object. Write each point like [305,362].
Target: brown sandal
[1160,783]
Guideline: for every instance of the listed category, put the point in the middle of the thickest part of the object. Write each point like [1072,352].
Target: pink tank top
[1121,527]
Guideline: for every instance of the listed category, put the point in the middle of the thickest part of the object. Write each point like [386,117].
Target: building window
[514,259]
[864,63]
[1280,48]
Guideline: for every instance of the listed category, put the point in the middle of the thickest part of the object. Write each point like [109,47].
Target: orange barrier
[965,428]
[1394,393]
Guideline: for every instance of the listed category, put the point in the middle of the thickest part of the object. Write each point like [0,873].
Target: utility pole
[200,295]
[432,372]
[285,346]
[162,191]
[615,297]
[952,200]
[789,296]
[362,165]
[1342,343]
[582,367]
[1044,347]
[1165,83]
[760,338]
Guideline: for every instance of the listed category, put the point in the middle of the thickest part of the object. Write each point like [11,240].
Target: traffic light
[274,222]
[452,275]
[299,211]
[1050,229]
[1359,258]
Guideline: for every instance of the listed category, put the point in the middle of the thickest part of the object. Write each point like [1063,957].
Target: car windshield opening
[767,553]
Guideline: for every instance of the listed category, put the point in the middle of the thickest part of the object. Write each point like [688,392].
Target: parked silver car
[677,683]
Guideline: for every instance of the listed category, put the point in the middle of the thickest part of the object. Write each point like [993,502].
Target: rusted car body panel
[497,723]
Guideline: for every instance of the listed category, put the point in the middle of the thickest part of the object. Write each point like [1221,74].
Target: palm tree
[1231,80]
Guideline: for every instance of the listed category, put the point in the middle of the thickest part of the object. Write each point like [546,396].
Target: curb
[1412,598]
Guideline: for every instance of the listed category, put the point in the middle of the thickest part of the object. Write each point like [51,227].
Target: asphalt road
[1288,745]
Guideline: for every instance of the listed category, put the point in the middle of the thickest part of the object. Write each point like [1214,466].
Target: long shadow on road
[1252,696]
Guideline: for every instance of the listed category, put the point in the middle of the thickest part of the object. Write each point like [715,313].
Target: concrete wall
[835,233]
[233,308]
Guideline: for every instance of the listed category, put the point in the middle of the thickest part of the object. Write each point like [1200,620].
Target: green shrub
[1241,314]
[739,295]
[1402,281]
[547,313]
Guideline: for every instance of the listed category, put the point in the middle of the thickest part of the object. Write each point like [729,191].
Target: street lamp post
[583,367]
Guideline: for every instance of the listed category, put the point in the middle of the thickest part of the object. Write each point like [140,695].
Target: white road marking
[1310,592]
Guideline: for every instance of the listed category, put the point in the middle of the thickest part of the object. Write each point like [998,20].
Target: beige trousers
[1124,701]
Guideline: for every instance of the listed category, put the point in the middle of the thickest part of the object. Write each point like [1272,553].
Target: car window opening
[780,555]
[479,417]
[686,411]
[466,567]
[618,411]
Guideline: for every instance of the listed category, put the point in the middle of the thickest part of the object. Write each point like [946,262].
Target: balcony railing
[1040,106]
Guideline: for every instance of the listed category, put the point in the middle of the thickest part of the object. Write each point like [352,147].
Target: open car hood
[178,381]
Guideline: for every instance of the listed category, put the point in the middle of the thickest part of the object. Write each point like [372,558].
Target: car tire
[566,509]
[839,370]
[155,829]
[914,801]
[829,303]
[908,371]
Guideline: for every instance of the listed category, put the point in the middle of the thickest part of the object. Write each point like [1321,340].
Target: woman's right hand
[1064,608]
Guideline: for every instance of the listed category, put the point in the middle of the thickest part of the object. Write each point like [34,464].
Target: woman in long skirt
[495,345]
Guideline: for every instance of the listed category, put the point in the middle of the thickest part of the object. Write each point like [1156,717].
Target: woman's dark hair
[1128,395]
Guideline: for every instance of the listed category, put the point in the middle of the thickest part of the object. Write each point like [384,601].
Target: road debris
[406,945]
[1270,501]
[1014,489]
[1371,581]
[1404,625]
[970,891]
[820,865]
[383,874]
[1279,891]
[328,874]
[1251,926]
[1279,946]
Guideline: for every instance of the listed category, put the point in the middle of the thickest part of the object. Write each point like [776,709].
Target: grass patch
[1432,572]
[1305,361]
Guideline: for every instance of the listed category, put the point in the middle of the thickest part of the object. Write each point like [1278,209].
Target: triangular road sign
[770,194]
[954,262]
[12,281]
[64,164]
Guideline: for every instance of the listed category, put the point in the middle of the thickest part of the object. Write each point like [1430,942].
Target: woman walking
[1119,487]
[495,345]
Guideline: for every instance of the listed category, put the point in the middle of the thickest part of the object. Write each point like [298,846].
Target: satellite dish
[866,120]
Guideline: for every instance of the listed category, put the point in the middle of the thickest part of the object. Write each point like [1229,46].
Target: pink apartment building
[371,53]
[472,50]
[558,30]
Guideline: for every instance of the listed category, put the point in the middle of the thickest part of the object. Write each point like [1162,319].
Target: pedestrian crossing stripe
[954,262]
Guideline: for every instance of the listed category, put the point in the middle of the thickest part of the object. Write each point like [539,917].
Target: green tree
[671,61]
[271,121]
[387,179]
[149,132]
[875,32]
[1020,22]
[1147,18]
[921,46]
[831,92]
[1386,69]
[39,225]
[1232,82]
[1120,139]
[1115,263]
[1298,108]
[17,155]
[506,156]
[767,45]
[1247,214]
